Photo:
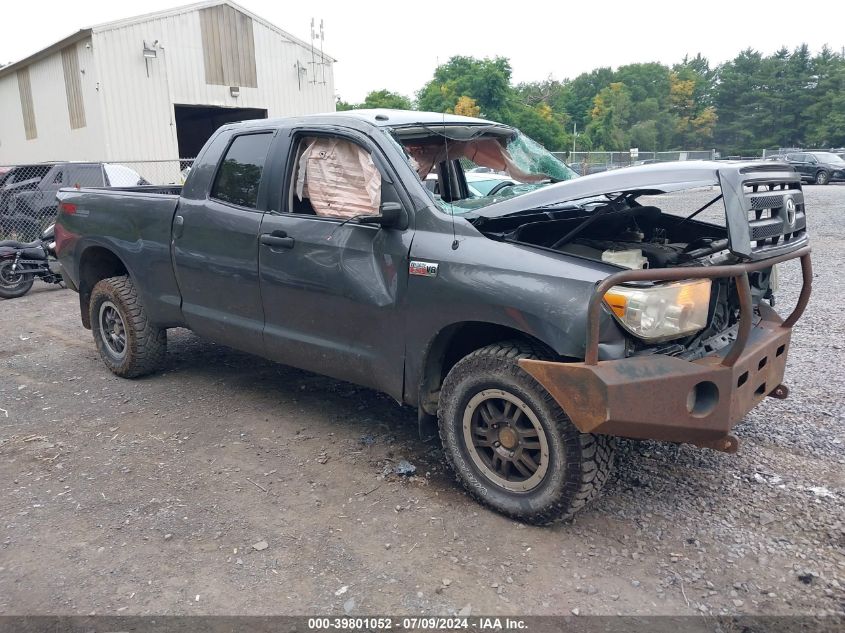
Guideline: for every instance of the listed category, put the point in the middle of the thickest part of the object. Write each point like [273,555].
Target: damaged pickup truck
[532,322]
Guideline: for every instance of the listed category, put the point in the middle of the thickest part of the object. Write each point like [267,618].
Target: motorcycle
[22,263]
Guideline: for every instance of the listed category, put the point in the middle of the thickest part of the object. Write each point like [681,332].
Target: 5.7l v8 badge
[422,269]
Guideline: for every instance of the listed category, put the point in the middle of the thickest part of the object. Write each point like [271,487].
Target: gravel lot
[227,484]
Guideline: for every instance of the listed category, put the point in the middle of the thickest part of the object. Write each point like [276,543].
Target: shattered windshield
[466,167]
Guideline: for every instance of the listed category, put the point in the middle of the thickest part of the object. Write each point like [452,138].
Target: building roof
[46,52]
[85,33]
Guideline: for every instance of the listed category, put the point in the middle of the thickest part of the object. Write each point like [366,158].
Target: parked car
[480,184]
[526,327]
[20,178]
[820,168]
[29,210]
[488,184]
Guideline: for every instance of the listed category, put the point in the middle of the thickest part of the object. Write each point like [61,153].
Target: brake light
[67,208]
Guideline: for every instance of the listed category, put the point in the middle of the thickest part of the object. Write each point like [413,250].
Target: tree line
[754,101]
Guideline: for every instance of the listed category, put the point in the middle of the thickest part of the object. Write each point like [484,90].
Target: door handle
[276,239]
[178,226]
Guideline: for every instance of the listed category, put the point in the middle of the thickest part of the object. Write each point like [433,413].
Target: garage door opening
[195,124]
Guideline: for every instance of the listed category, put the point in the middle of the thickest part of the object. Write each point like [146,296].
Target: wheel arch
[452,343]
[95,264]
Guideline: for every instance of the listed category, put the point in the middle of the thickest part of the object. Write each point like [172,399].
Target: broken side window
[335,177]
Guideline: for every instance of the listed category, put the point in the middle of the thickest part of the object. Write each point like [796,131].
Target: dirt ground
[230,485]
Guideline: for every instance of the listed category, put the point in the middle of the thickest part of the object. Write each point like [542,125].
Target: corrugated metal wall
[139,112]
[228,47]
[25,92]
[127,101]
[73,87]
[55,138]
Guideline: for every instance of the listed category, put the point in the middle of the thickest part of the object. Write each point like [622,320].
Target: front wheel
[511,445]
[128,343]
[822,178]
[14,283]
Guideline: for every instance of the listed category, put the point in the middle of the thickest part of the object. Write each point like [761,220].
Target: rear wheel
[128,343]
[511,445]
[14,283]
[822,178]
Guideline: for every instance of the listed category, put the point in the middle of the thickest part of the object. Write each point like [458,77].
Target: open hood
[654,178]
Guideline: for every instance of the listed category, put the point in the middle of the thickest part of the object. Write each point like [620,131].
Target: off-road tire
[13,290]
[579,463]
[145,344]
[822,178]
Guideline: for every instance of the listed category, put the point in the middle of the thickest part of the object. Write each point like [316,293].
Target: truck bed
[168,190]
[134,222]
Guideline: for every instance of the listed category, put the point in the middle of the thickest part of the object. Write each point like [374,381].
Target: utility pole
[574,134]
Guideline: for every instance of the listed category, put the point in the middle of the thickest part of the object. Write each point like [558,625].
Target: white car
[480,185]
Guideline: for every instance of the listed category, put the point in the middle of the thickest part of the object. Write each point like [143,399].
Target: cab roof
[382,117]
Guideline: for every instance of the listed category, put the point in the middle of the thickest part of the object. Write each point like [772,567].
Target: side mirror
[392,216]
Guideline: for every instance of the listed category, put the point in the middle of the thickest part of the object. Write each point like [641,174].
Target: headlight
[662,312]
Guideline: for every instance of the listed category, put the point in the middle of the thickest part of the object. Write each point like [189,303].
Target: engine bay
[625,233]
[619,232]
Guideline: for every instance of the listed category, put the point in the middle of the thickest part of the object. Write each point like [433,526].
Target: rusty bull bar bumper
[667,398]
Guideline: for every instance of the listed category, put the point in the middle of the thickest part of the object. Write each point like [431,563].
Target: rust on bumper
[667,398]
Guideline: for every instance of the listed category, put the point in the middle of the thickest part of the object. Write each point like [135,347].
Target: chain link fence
[595,162]
[772,152]
[28,191]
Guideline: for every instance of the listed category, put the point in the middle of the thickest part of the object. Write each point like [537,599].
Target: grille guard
[667,398]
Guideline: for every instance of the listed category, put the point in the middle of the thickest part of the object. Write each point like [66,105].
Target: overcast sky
[396,45]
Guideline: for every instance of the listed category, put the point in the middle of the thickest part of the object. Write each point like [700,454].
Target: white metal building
[155,86]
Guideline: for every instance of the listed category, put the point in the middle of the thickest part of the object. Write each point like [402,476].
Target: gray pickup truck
[531,324]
